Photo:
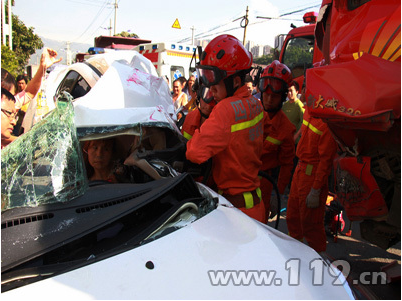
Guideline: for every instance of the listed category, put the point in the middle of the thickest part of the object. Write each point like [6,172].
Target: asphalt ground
[364,260]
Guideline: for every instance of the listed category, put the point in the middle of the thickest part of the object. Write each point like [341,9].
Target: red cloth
[279,150]
[316,150]
[233,136]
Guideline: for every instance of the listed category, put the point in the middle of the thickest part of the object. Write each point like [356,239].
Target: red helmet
[277,76]
[223,57]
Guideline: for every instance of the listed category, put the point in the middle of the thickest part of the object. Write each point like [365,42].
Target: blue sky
[82,20]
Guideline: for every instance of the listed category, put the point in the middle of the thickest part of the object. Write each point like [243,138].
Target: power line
[97,15]
[86,2]
[205,33]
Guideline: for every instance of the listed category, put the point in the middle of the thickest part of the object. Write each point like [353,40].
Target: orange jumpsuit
[316,151]
[233,136]
[279,150]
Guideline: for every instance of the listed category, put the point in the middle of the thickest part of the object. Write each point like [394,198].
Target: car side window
[74,84]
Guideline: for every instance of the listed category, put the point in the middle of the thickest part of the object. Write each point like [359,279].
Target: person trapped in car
[233,134]
[98,157]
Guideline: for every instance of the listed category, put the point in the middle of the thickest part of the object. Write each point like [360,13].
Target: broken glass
[44,165]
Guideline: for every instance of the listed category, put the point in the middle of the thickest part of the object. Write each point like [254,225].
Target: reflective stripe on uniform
[247,124]
[258,190]
[187,135]
[309,169]
[273,140]
[248,200]
[311,127]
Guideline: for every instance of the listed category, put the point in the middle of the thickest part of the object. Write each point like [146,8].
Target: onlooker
[183,82]
[192,94]
[309,190]
[179,97]
[98,157]
[22,82]
[249,83]
[232,135]
[294,109]
[8,114]
[279,149]
[48,58]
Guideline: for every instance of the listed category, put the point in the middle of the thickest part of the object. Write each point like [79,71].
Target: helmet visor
[277,85]
[206,95]
[210,75]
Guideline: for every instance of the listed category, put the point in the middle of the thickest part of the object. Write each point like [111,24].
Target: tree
[9,59]
[25,43]
[265,59]
[126,34]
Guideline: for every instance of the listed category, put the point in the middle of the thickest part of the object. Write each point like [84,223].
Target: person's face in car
[100,154]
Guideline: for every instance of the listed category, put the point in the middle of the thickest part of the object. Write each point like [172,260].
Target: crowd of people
[245,125]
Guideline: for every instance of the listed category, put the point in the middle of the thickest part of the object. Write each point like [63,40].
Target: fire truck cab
[297,49]
[170,59]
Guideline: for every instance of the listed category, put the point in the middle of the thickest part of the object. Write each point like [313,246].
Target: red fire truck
[356,90]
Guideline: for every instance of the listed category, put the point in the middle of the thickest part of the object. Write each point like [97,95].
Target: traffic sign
[176,24]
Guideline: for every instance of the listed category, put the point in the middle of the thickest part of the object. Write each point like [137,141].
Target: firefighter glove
[313,198]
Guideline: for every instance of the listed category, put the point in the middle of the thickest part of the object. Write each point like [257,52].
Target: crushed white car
[166,238]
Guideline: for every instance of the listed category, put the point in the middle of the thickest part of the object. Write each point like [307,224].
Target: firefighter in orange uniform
[309,190]
[196,117]
[233,134]
[279,150]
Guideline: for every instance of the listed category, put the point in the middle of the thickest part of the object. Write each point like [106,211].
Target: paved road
[363,257]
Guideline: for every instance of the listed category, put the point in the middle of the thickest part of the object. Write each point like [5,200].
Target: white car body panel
[225,239]
[124,95]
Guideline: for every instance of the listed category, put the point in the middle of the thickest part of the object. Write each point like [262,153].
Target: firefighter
[233,134]
[196,118]
[309,190]
[279,149]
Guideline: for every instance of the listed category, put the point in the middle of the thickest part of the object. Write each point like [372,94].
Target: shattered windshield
[44,165]
[47,165]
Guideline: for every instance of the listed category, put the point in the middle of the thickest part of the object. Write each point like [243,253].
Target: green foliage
[9,60]
[126,34]
[265,59]
[299,51]
[25,43]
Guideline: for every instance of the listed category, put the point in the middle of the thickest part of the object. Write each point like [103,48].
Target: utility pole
[192,35]
[245,19]
[110,27]
[68,54]
[115,12]
[7,28]
[245,27]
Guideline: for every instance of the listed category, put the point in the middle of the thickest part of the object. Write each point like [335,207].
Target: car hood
[182,265]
